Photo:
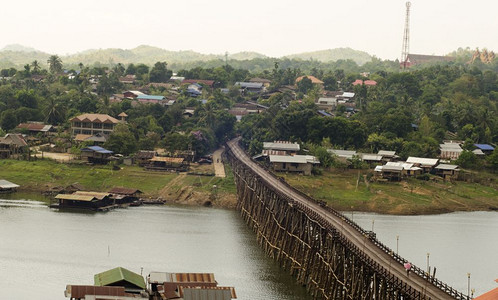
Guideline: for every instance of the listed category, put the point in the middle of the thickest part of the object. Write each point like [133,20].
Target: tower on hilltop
[406,38]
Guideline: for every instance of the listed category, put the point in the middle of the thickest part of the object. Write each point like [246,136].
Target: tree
[492,160]
[159,73]
[304,85]
[54,64]
[467,159]
[36,67]
[121,140]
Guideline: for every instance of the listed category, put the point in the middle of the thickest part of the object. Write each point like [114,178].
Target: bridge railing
[396,257]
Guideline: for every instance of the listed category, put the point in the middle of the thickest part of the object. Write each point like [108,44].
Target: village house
[209,83]
[91,292]
[485,148]
[36,128]
[448,172]
[298,163]
[91,124]
[142,157]
[159,163]
[342,155]
[12,144]
[122,195]
[84,200]
[313,79]
[266,82]
[450,150]
[372,159]
[128,79]
[96,155]
[250,87]
[387,156]
[427,164]
[132,94]
[7,186]
[287,147]
[395,171]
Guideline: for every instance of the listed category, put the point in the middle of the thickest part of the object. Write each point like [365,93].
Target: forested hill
[17,56]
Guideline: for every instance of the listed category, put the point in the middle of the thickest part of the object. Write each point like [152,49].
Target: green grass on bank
[41,174]
[342,190]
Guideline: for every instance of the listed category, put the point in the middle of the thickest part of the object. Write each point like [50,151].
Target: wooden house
[7,186]
[12,144]
[447,171]
[427,164]
[298,163]
[83,200]
[122,195]
[387,156]
[159,163]
[96,155]
[142,157]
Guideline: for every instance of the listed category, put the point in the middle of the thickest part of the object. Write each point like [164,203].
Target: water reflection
[50,249]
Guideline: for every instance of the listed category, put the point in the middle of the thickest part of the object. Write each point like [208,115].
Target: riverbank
[341,189]
[348,190]
[42,175]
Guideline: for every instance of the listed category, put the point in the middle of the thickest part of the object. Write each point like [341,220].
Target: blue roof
[324,113]
[97,149]
[485,147]
[150,97]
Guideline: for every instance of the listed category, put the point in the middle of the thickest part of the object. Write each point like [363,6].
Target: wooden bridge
[327,252]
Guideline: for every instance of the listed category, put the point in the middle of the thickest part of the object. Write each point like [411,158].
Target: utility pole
[406,37]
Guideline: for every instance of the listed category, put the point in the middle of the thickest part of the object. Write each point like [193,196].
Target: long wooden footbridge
[327,252]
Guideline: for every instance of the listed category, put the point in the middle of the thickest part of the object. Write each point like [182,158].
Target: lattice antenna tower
[406,36]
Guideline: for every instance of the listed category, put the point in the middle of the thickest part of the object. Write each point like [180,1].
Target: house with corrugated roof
[450,150]
[447,171]
[297,163]
[485,148]
[36,127]
[7,186]
[96,155]
[427,164]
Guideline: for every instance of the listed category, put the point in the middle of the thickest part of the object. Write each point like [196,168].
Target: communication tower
[406,37]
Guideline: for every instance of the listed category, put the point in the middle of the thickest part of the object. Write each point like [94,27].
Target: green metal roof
[119,274]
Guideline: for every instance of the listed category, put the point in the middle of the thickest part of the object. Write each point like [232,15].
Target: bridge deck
[355,236]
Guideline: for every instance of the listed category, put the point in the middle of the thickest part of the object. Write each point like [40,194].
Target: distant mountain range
[18,56]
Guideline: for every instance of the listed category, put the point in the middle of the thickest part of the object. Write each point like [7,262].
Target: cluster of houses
[282,156]
[452,149]
[123,284]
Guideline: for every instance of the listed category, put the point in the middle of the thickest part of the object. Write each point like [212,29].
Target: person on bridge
[407,266]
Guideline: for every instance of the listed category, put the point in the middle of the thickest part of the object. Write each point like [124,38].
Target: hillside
[18,56]
[360,57]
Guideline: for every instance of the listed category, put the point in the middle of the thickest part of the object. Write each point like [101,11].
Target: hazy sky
[271,27]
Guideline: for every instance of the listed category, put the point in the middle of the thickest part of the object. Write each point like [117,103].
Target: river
[42,250]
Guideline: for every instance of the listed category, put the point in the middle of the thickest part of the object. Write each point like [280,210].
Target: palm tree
[36,67]
[55,64]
